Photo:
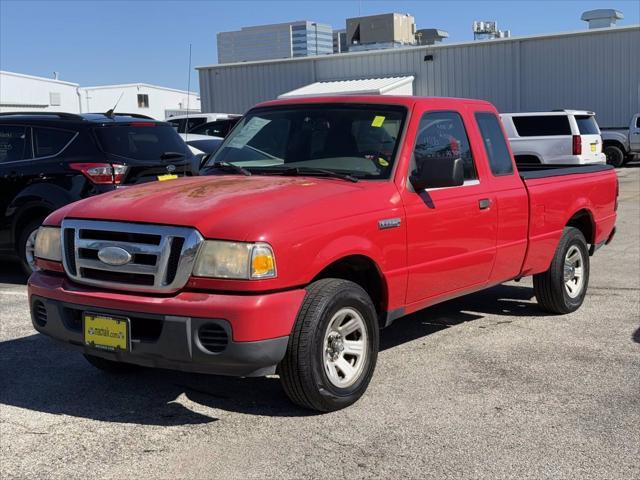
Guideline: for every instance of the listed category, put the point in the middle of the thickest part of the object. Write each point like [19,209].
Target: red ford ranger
[317,222]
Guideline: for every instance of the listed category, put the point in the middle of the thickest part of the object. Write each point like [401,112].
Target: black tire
[110,366]
[302,371]
[22,237]
[615,155]
[549,287]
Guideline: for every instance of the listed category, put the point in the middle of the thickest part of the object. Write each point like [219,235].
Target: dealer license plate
[106,332]
[164,178]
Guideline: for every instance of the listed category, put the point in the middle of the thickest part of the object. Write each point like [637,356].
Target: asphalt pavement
[485,387]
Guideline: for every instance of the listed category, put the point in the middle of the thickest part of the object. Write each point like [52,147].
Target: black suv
[48,160]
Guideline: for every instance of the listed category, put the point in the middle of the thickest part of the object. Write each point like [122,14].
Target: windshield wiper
[313,171]
[170,155]
[229,166]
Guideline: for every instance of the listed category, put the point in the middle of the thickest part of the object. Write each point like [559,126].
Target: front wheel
[562,288]
[333,347]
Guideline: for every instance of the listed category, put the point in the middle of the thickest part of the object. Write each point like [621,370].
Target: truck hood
[233,207]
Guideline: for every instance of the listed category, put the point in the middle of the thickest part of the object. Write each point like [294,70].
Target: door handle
[484,203]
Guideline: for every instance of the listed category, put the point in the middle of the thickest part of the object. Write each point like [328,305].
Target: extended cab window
[494,143]
[349,139]
[442,134]
[542,125]
[14,143]
[49,141]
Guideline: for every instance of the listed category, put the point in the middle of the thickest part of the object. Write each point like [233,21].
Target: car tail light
[577,145]
[102,173]
[143,124]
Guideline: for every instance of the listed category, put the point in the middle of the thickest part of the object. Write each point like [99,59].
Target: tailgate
[590,138]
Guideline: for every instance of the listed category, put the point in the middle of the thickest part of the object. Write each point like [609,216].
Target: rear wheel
[562,288]
[27,245]
[615,155]
[110,366]
[333,348]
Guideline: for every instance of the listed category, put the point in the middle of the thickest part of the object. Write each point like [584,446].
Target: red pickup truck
[317,222]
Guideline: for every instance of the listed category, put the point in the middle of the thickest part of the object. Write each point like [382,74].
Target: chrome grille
[161,261]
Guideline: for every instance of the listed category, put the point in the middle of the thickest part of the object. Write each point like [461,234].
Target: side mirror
[437,172]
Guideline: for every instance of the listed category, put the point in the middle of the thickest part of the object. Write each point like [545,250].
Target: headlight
[48,245]
[220,259]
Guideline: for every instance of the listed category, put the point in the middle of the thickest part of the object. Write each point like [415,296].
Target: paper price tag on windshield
[377,121]
[248,131]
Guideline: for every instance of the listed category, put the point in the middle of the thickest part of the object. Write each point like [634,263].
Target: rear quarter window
[587,125]
[542,125]
[49,141]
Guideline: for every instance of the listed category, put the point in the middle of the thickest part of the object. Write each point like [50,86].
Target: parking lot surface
[485,386]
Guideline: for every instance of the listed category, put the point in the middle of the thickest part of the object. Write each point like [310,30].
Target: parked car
[186,123]
[622,144]
[311,237]
[219,128]
[558,137]
[48,160]
[201,144]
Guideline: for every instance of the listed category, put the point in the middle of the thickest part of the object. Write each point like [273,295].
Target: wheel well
[24,217]
[582,221]
[527,159]
[363,271]
[614,143]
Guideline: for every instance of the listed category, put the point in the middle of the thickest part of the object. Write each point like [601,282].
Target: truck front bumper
[165,332]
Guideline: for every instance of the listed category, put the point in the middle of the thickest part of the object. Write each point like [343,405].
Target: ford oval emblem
[114,256]
[171,168]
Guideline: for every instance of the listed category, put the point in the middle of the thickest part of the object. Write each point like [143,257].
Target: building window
[143,100]
[54,99]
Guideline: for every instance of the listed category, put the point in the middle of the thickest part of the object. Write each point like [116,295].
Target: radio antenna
[186,123]
[110,111]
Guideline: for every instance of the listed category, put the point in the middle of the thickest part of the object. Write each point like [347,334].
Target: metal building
[595,69]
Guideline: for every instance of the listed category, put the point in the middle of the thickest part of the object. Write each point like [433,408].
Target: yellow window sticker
[382,162]
[378,120]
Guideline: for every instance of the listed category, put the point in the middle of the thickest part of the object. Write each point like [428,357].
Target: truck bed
[531,171]
[586,194]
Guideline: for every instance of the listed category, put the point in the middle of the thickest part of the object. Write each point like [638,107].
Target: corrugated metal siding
[597,70]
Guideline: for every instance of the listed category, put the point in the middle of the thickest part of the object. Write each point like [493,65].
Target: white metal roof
[364,86]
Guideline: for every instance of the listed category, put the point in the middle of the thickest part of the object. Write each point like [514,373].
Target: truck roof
[406,100]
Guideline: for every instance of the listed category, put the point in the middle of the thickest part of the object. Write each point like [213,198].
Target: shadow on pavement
[636,335]
[10,272]
[40,375]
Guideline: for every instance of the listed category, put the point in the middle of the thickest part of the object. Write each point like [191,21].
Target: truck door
[634,134]
[451,232]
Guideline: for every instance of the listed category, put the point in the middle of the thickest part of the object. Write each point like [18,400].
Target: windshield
[356,140]
[143,141]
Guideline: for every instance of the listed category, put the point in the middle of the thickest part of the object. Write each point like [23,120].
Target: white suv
[185,123]
[558,137]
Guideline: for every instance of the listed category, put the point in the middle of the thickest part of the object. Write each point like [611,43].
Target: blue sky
[110,41]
